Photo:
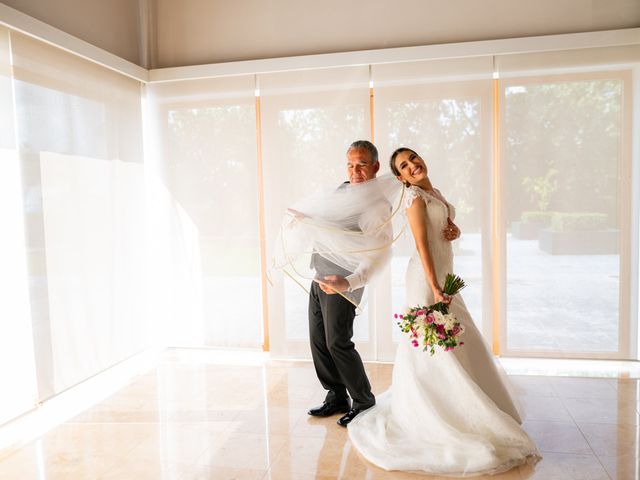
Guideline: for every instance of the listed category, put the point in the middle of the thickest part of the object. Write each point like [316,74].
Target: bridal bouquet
[434,325]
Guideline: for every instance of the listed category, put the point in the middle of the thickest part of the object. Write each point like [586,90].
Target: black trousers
[337,363]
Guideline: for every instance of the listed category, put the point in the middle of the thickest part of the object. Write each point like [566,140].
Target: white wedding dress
[447,414]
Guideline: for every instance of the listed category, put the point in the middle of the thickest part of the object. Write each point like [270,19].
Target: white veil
[346,231]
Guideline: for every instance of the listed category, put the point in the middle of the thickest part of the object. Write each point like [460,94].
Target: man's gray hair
[365,145]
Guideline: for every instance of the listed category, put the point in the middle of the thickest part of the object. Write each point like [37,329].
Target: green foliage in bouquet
[452,285]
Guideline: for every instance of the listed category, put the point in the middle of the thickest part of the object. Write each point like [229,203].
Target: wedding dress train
[450,413]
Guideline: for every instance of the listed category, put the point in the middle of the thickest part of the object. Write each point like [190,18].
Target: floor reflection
[207,420]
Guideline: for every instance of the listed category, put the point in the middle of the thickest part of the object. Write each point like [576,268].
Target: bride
[450,413]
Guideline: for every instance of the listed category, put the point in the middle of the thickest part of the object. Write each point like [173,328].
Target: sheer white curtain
[566,160]
[205,133]
[442,110]
[79,131]
[309,119]
[101,251]
[17,368]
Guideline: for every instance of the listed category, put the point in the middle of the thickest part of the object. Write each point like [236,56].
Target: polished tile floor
[192,419]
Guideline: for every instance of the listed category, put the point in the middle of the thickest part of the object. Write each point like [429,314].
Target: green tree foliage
[212,167]
[447,134]
[562,146]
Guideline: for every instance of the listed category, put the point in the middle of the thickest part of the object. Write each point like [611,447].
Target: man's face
[360,167]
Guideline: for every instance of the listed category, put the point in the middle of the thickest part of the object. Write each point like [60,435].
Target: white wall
[169,33]
[190,32]
[112,25]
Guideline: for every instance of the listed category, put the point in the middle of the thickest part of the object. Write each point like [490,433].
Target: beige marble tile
[571,387]
[204,472]
[622,467]
[562,466]
[544,408]
[222,417]
[199,421]
[380,378]
[601,410]
[33,463]
[268,420]
[117,416]
[25,464]
[285,395]
[326,427]
[302,376]
[249,450]
[531,386]
[174,443]
[559,437]
[143,469]
[612,439]
[221,399]
[313,455]
[132,398]
[95,440]
[628,389]
[283,472]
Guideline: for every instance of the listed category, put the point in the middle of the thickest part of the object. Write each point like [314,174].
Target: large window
[17,367]
[309,119]
[442,110]
[82,186]
[207,133]
[566,212]
[566,137]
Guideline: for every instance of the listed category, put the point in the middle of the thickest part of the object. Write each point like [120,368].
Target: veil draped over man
[348,231]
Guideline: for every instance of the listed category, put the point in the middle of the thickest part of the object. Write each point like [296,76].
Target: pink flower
[395,315]
[401,316]
[430,319]
[442,336]
[415,343]
[420,312]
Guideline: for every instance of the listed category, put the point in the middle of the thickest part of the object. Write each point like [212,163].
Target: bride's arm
[416,214]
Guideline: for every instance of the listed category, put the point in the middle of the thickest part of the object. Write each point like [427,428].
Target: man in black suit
[337,363]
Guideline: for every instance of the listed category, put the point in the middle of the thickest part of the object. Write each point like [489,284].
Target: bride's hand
[451,232]
[439,296]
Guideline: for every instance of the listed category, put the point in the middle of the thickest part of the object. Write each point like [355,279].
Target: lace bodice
[414,192]
[436,214]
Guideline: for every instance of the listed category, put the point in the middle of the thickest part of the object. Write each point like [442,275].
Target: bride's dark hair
[392,160]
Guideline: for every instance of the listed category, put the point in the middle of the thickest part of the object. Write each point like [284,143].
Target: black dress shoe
[329,408]
[350,415]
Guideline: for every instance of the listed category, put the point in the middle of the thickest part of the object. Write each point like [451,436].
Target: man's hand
[332,284]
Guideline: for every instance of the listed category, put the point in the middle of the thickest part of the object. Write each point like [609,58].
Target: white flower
[439,318]
[449,321]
